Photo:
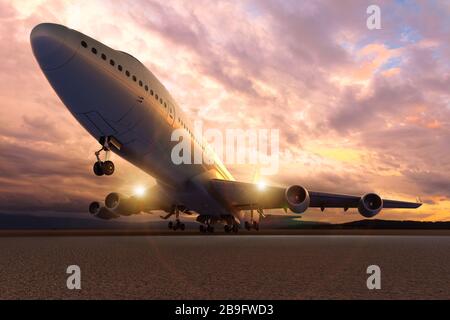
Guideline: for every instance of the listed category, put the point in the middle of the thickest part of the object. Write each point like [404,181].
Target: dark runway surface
[226,267]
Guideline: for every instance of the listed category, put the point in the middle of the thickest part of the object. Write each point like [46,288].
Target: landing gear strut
[103,167]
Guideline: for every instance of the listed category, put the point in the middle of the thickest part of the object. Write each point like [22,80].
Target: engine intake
[121,204]
[297,198]
[99,211]
[370,205]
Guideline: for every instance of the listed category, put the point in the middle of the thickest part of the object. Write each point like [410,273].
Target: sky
[358,110]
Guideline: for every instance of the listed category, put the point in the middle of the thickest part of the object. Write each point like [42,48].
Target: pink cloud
[311,70]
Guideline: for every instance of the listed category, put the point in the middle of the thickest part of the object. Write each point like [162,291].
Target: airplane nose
[50,45]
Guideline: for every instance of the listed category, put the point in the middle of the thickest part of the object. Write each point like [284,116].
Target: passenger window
[111,62]
[127,73]
[160,100]
[146,87]
[140,83]
[156,96]
[84,44]
[103,56]
[134,78]
[151,92]
[119,67]
[94,51]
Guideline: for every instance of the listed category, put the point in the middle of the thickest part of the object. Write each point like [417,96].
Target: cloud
[357,109]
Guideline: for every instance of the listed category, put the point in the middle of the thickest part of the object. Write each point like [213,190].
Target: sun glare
[261,185]
[139,191]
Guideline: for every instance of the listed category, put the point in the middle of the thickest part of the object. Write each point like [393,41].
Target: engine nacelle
[370,205]
[297,198]
[121,204]
[99,211]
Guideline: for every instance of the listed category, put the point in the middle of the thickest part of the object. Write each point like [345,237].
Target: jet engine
[99,211]
[370,205]
[122,205]
[297,198]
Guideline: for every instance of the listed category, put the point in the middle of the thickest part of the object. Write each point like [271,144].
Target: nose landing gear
[103,167]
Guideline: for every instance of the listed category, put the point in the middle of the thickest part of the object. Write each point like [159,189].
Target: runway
[226,267]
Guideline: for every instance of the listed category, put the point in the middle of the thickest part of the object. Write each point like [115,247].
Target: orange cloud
[348,121]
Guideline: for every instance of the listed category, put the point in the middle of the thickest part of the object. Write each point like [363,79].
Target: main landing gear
[103,167]
[231,228]
[206,229]
[207,224]
[251,225]
[176,225]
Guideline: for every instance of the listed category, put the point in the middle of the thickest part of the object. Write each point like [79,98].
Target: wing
[247,196]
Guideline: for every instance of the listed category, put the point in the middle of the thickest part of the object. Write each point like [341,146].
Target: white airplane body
[124,107]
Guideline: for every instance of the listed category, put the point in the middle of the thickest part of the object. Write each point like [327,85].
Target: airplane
[129,112]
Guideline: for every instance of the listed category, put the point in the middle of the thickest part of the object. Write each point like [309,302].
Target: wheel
[98,168]
[248,226]
[235,228]
[202,228]
[108,168]
[256,226]
[175,227]
[170,225]
[210,229]
[227,228]
[182,227]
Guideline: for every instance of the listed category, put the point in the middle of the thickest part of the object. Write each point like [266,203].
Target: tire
[170,225]
[108,168]
[98,168]
[202,228]
[182,227]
